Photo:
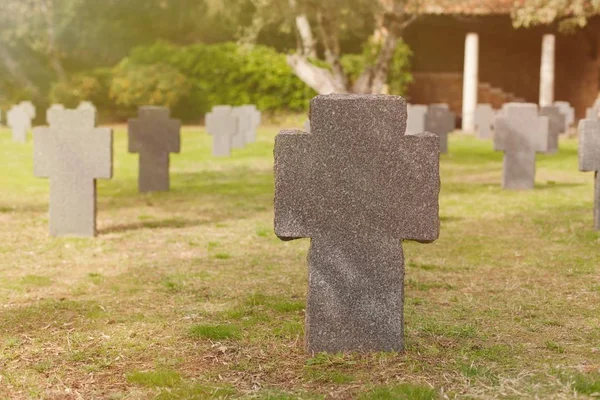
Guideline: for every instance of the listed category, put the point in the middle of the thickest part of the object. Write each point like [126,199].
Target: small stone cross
[73,154]
[484,120]
[589,158]
[557,126]
[568,111]
[357,186]
[154,135]
[441,121]
[520,133]
[221,125]
[416,118]
[19,120]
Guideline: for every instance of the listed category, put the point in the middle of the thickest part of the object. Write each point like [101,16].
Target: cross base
[355,295]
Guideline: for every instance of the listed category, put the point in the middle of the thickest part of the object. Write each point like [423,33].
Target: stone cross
[307,126]
[557,125]
[520,133]
[589,158]
[30,108]
[153,134]
[19,121]
[73,154]
[568,111]
[441,121]
[416,118]
[252,119]
[357,186]
[484,120]
[86,105]
[221,125]
[593,111]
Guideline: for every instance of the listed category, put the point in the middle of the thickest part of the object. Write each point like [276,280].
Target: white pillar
[547,70]
[470,82]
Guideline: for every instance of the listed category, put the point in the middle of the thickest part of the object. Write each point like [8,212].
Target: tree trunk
[373,80]
[47,9]
[15,71]
[320,79]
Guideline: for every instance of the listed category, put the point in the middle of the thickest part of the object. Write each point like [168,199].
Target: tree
[321,23]
[570,15]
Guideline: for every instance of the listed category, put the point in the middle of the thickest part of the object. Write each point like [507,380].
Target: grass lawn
[189,295]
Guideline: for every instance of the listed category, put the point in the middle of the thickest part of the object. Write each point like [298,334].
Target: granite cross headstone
[154,135]
[557,125]
[484,120]
[221,125]
[589,158]
[520,133]
[441,121]
[594,111]
[357,186]
[416,118]
[19,121]
[73,154]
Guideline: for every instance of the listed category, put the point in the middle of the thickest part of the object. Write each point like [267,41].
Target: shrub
[135,85]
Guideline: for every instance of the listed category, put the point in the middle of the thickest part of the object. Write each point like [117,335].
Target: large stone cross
[19,121]
[154,135]
[221,125]
[441,121]
[73,154]
[520,133]
[589,158]
[357,186]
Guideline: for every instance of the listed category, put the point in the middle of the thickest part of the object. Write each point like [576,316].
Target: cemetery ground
[189,294]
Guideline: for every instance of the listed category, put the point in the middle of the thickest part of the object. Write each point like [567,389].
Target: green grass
[189,294]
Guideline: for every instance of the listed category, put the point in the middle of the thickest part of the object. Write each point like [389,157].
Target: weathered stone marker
[357,186]
[557,125]
[73,154]
[441,121]
[416,118]
[19,121]
[568,111]
[484,121]
[589,158]
[221,125]
[153,134]
[520,133]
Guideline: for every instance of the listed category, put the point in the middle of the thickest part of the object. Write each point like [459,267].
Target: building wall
[509,59]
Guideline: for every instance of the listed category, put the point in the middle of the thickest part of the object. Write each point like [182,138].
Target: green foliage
[399,76]
[134,85]
[228,74]
[84,87]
